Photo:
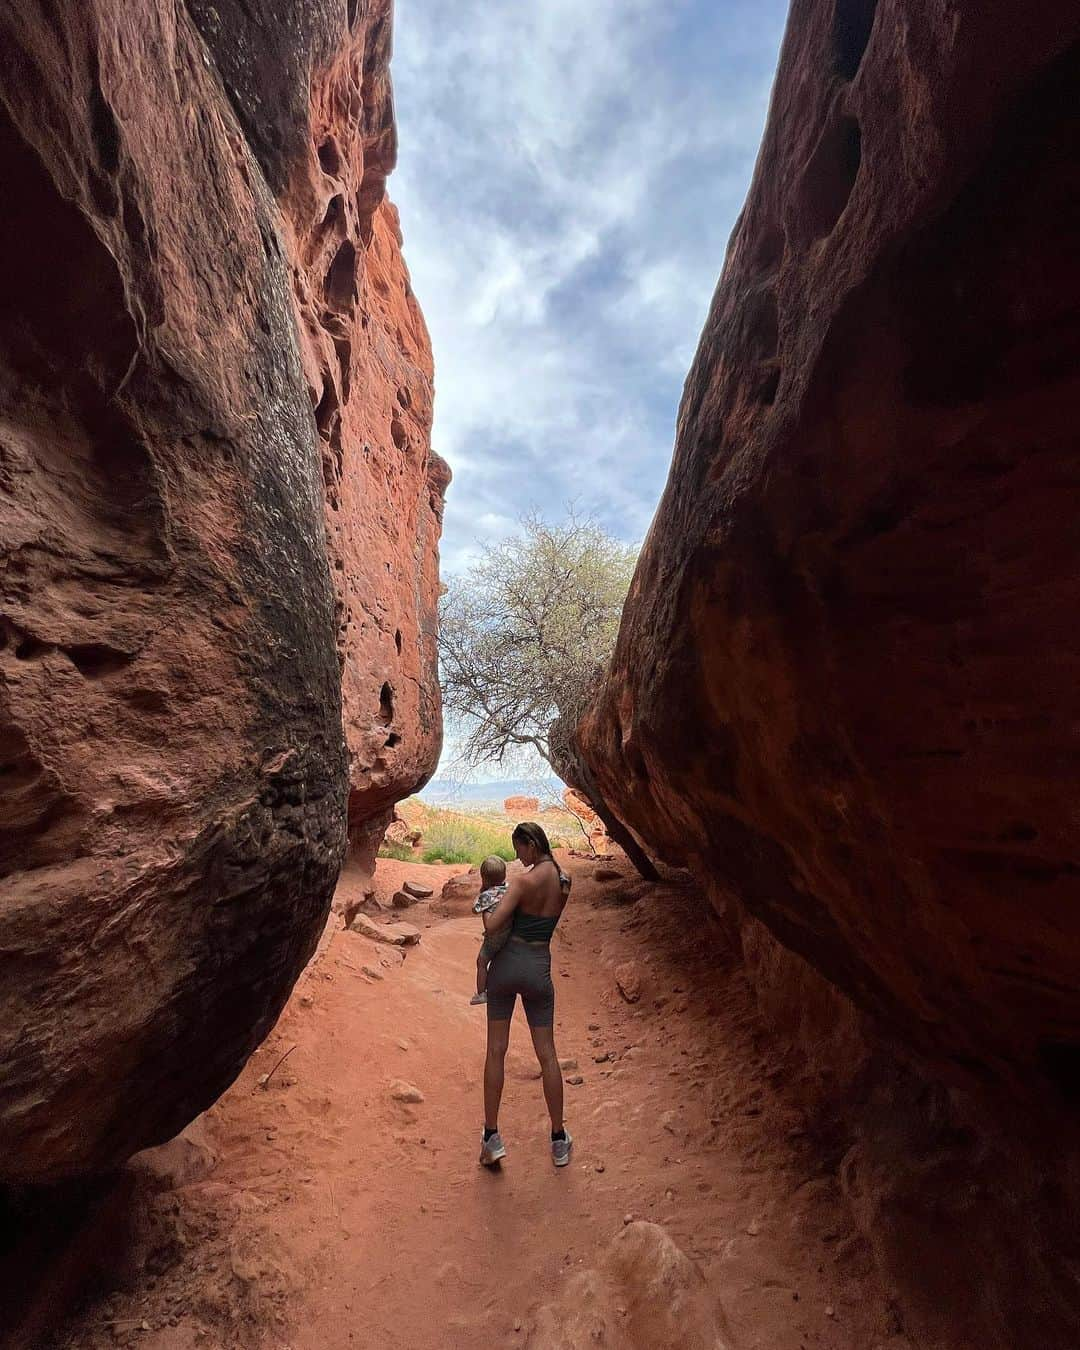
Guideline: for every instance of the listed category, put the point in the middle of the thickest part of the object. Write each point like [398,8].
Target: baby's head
[492,872]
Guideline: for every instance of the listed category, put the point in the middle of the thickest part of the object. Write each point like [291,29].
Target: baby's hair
[493,871]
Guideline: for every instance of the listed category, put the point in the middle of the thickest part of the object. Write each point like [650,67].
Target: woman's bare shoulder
[527,881]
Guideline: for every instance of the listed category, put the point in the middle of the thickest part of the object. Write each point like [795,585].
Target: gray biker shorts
[522,968]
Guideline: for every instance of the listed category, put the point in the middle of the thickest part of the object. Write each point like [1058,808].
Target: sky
[569,172]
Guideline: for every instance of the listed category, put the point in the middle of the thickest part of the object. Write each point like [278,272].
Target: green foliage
[450,838]
[524,632]
[402,852]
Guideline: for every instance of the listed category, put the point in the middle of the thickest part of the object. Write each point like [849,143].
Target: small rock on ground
[399,934]
[628,980]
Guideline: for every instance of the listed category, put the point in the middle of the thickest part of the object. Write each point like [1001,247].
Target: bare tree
[523,632]
[523,637]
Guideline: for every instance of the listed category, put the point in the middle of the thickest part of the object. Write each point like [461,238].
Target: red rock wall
[175,662]
[845,687]
[367,360]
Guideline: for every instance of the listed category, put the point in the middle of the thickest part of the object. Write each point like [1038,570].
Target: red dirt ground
[338,1218]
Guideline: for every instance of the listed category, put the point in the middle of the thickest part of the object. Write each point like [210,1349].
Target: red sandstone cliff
[845,687]
[219,517]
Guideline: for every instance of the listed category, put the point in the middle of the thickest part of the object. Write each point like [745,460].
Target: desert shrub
[453,838]
[402,852]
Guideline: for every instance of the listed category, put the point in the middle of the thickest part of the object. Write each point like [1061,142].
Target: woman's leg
[543,1039]
[498,1038]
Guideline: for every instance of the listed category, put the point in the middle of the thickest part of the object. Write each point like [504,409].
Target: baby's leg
[481,972]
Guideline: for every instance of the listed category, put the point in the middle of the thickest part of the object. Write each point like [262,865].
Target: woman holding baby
[518,933]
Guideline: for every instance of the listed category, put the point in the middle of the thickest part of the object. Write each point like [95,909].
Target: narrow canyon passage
[338,1217]
[842,694]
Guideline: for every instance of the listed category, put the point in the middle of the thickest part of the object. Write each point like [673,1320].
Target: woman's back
[544,895]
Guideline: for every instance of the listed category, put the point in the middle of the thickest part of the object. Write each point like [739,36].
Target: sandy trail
[337,1217]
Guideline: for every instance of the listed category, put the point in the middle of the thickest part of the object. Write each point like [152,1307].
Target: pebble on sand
[405,1092]
[628,980]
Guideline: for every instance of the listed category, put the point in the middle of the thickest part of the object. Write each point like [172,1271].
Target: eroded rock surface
[845,683]
[215,393]
[644,1291]
[845,688]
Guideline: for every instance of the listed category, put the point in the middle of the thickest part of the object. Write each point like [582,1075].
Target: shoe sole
[489,1159]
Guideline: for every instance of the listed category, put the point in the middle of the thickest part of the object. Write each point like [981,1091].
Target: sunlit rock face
[845,690]
[219,518]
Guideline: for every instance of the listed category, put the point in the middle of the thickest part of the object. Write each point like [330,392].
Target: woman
[532,905]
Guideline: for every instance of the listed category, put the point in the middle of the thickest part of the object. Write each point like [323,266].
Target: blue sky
[569,173]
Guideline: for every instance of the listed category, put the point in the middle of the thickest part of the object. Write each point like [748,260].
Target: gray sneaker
[560,1150]
[492,1150]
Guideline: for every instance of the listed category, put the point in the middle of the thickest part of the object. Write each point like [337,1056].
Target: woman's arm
[504,910]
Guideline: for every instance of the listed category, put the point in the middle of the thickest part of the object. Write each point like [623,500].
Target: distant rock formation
[521,806]
[219,517]
[845,690]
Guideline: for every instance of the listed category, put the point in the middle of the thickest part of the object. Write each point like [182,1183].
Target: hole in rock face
[397,432]
[829,177]
[397,641]
[343,347]
[386,703]
[104,130]
[333,211]
[403,397]
[96,659]
[853,22]
[327,408]
[340,284]
[330,157]
[30,649]
[392,740]
[1060,1062]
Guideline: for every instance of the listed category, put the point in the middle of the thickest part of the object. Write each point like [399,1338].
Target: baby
[493,880]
